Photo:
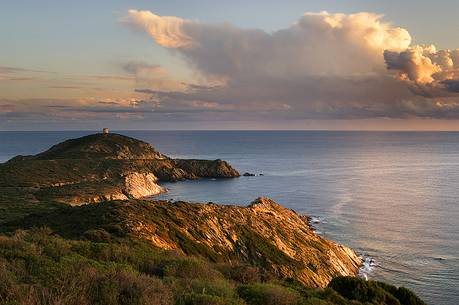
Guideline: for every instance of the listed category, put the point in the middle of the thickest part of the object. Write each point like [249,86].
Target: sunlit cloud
[426,67]
[323,66]
[166,30]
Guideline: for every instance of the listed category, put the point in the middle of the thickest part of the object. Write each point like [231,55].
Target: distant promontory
[103,167]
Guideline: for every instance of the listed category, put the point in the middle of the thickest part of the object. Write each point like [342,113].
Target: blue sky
[45,34]
[77,39]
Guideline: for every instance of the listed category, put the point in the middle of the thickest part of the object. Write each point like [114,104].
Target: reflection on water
[391,196]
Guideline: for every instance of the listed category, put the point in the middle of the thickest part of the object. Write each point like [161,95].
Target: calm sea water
[393,197]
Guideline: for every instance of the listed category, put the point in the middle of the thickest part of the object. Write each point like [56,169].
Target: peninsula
[80,226]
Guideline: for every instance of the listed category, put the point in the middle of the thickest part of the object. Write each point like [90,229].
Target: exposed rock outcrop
[263,234]
[138,185]
[207,169]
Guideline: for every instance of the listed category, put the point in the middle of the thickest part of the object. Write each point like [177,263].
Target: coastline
[313,274]
[368,264]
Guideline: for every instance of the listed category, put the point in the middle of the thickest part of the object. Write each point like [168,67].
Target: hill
[101,146]
[103,167]
[263,234]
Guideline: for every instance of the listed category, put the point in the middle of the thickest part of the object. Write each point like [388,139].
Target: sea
[391,196]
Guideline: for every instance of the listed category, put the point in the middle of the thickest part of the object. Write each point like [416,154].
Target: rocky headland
[263,234]
[102,167]
[92,191]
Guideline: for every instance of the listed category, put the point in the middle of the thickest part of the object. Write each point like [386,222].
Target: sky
[327,65]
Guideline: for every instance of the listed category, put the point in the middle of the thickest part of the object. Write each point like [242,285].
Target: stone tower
[105,130]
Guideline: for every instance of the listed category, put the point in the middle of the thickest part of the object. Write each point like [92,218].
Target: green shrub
[129,289]
[407,297]
[244,274]
[187,267]
[374,292]
[361,290]
[268,294]
[97,235]
[215,287]
[205,299]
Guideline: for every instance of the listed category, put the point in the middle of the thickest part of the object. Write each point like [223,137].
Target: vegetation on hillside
[264,234]
[38,267]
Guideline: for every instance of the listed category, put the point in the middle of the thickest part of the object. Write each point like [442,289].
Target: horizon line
[241,130]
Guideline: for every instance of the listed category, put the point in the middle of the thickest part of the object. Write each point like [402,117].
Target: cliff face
[103,167]
[139,185]
[263,234]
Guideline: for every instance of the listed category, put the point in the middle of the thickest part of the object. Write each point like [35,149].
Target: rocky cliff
[103,167]
[263,234]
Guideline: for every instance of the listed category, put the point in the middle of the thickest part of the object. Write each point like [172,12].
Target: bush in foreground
[373,292]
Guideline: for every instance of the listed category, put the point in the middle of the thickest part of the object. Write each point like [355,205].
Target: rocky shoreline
[91,188]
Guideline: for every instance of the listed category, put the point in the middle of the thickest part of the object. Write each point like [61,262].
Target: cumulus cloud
[318,44]
[413,64]
[425,65]
[322,66]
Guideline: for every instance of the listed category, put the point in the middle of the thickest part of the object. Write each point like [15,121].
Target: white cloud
[322,66]
[166,30]
[425,66]
[318,44]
